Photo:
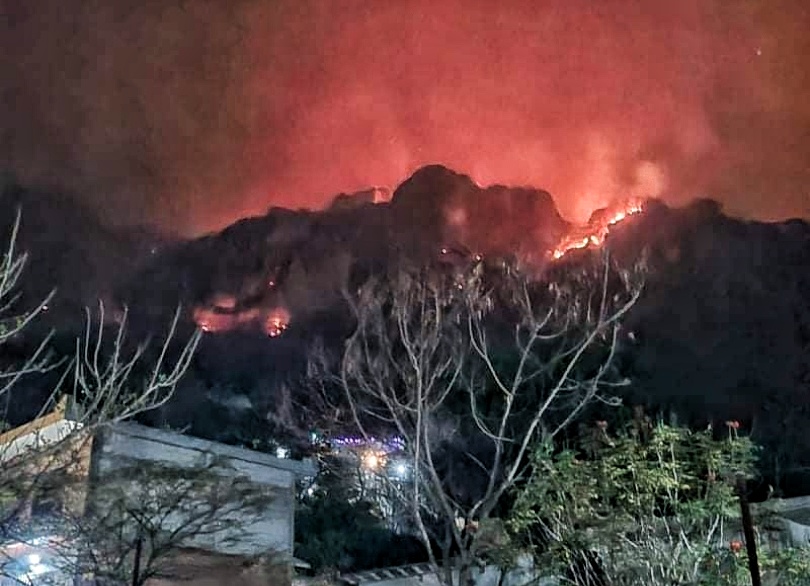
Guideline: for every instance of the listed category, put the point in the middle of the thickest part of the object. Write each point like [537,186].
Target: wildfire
[277,322]
[597,230]
[224,319]
[209,320]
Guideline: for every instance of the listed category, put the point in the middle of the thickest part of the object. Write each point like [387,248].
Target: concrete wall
[794,514]
[126,444]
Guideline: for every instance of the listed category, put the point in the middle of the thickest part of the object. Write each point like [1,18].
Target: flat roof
[301,468]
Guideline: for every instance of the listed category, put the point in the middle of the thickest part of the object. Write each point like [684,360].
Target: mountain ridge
[722,329]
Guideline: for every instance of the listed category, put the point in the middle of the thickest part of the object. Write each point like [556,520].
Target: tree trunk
[136,564]
[465,575]
[447,567]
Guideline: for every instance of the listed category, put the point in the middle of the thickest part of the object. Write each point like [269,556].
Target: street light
[372,461]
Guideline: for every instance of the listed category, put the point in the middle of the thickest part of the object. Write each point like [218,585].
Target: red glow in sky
[191,115]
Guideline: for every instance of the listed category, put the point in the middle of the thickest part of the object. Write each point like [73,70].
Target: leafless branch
[424,350]
[163,507]
[105,381]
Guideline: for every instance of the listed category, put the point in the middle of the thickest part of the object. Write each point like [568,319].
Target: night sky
[189,115]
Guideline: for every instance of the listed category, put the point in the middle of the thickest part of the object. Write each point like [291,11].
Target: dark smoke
[191,114]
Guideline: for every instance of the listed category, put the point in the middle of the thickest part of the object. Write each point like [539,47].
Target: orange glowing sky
[190,115]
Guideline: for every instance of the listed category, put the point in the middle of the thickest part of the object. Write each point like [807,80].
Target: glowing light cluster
[373,460]
[597,230]
[395,444]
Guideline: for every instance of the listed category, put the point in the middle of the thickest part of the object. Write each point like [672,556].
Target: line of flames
[595,233]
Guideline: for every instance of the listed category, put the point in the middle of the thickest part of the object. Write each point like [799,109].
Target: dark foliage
[335,529]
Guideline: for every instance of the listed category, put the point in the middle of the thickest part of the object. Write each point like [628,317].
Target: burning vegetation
[258,304]
[272,322]
[225,312]
[254,306]
[277,321]
[597,229]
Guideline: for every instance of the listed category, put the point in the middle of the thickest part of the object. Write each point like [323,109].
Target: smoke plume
[191,114]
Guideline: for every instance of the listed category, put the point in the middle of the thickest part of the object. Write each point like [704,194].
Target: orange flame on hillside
[277,322]
[597,229]
[225,319]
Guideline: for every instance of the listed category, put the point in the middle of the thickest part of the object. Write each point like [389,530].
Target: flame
[277,322]
[223,313]
[215,318]
[209,320]
[596,231]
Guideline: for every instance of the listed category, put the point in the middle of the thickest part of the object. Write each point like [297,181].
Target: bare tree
[142,517]
[13,320]
[470,372]
[107,379]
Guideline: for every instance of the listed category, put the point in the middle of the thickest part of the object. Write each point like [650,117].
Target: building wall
[793,514]
[45,468]
[206,569]
[80,463]
[273,530]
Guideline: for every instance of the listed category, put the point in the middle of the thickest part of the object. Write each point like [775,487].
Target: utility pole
[748,532]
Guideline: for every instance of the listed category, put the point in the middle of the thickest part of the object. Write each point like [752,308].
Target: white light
[282,453]
[37,569]
[401,469]
[34,559]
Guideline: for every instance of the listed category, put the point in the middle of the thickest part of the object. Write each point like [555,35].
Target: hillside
[721,331]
